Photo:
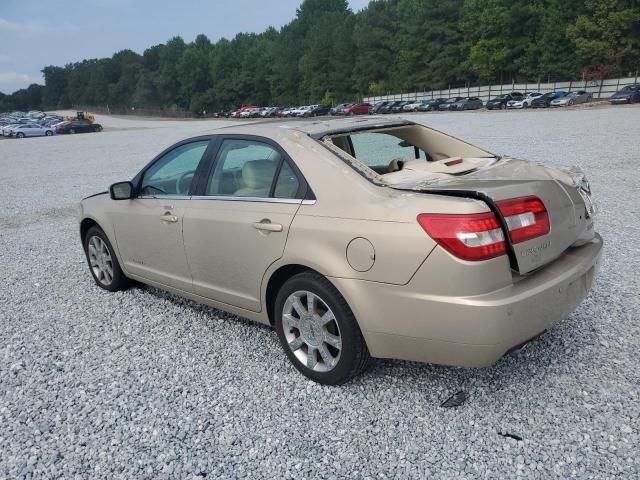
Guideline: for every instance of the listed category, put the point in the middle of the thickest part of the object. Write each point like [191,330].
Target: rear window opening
[398,153]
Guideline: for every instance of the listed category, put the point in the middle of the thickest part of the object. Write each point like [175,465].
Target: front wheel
[103,262]
[48,133]
[318,330]
[72,131]
[19,135]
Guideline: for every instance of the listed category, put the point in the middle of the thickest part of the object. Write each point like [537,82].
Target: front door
[238,224]
[149,227]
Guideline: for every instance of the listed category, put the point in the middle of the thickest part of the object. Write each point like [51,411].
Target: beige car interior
[247,169]
[440,151]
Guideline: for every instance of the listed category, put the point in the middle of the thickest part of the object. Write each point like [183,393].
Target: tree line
[328,53]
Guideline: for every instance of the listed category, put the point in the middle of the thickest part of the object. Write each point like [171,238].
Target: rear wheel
[103,262]
[48,133]
[318,330]
[19,135]
[72,131]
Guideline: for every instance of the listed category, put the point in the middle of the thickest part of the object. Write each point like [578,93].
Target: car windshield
[630,88]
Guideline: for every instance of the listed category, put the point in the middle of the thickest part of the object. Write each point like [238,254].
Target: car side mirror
[121,191]
[404,143]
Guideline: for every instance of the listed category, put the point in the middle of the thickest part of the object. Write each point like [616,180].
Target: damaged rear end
[509,264]
[539,211]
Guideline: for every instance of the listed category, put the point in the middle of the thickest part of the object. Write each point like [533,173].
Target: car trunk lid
[567,201]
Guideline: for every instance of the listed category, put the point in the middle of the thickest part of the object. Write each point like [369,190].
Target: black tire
[19,135]
[502,106]
[570,103]
[72,131]
[354,354]
[119,280]
[48,133]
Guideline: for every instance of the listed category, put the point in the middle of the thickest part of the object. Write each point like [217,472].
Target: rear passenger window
[287,184]
[244,168]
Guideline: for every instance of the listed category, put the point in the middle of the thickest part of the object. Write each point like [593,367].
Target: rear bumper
[404,323]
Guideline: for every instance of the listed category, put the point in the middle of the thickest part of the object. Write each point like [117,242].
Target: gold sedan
[354,238]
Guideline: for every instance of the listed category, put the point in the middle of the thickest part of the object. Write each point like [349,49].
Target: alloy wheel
[100,260]
[311,331]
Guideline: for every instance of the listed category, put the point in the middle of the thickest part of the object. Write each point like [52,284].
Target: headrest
[258,173]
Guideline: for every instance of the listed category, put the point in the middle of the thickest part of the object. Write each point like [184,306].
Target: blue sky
[36,33]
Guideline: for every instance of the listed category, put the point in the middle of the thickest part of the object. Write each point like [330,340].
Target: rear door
[237,224]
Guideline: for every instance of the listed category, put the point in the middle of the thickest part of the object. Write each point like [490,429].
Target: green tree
[607,36]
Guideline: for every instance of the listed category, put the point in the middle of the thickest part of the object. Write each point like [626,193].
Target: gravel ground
[142,384]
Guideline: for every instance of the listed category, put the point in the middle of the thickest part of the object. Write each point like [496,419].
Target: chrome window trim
[163,197]
[227,198]
[231,198]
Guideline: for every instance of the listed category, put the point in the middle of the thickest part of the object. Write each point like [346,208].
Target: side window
[172,174]
[244,168]
[376,150]
[287,184]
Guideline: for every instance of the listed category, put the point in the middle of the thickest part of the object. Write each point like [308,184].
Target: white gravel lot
[142,384]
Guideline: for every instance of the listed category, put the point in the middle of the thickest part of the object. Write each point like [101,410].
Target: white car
[247,113]
[30,130]
[412,107]
[6,129]
[300,111]
[524,102]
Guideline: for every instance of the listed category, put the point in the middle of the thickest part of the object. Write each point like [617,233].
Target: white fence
[599,89]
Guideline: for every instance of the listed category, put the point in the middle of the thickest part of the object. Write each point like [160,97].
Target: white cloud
[12,81]
[34,27]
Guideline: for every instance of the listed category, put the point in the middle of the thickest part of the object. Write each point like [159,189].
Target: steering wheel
[181,179]
[395,165]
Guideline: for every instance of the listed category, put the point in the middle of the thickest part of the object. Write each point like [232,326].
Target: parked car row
[317,110]
[512,100]
[39,124]
[27,124]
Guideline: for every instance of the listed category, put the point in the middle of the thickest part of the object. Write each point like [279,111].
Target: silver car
[572,98]
[30,130]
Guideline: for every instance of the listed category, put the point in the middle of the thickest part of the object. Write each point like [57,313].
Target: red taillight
[526,218]
[475,236]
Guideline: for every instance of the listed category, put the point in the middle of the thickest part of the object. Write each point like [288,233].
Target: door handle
[266,226]
[168,218]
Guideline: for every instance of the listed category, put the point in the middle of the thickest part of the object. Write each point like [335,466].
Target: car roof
[315,128]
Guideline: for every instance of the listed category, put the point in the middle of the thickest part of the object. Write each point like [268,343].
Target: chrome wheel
[311,331]
[100,260]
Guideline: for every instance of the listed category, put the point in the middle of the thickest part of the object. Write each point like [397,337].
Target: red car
[357,109]
[237,113]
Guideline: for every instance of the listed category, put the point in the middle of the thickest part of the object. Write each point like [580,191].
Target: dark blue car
[543,101]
